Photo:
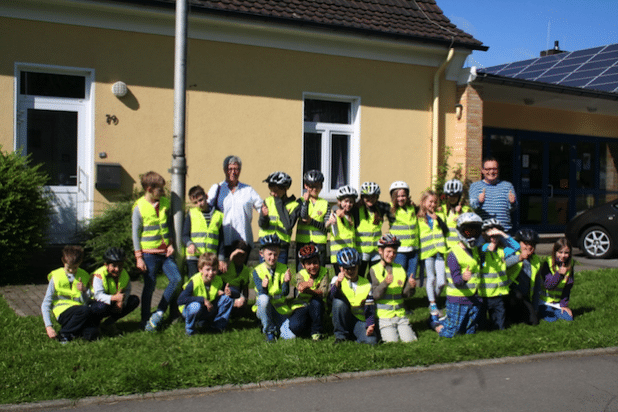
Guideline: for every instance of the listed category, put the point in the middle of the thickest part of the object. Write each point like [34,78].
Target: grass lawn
[33,367]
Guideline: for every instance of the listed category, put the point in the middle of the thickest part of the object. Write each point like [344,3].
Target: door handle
[551,191]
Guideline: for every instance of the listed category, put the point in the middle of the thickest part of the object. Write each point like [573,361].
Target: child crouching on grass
[557,283]
[390,288]
[202,302]
[464,262]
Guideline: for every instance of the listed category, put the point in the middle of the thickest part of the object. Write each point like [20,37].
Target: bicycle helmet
[469,228]
[307,252]
[453,187]
[389,240]
[114,254]
[346,191]
[492,223]
[270,240]
[527,236]
[280,179]
[370,189]
[399,185]
[348,257]
[312,177]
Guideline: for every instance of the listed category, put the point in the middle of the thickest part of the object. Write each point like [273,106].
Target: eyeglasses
[495,169]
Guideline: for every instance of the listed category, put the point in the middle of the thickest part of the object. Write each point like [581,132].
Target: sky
[519,29]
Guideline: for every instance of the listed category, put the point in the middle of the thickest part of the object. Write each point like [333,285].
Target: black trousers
[79,321]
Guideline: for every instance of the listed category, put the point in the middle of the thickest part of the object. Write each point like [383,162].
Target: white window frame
[327,130]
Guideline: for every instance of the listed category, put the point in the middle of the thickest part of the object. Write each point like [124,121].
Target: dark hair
[209,259]
[560,243]
[489,159]
[72,254]
[152,179]
[196,191]
[395,206]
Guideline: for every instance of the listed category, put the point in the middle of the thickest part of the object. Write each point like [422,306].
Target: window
[331,140]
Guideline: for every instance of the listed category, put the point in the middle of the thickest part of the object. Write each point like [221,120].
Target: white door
[53,129]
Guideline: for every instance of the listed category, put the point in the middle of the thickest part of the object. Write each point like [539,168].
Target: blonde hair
[422,210]
[209,259]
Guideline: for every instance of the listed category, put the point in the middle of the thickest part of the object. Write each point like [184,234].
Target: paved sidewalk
[26,300]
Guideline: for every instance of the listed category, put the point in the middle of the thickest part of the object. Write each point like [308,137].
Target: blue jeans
[494,307]
[154,264]
[409,262]
[316,310]
[550,314]
[273,321]
[346,325]
[197,315]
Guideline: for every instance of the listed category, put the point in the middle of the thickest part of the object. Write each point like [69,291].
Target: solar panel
[595,68]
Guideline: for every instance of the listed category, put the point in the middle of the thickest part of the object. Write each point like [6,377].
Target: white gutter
[435,146]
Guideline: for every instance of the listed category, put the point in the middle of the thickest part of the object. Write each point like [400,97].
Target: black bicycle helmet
[114,254]
[270,240]
[527,236]
[313,177]
[280,179]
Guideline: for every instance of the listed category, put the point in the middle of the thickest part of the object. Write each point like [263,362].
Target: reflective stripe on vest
[345,238]
[275,226]
[451,223]
[199,288]
[67,294]
[495,281]
[305,232]
[465,261]
[204,236]
[357,299]
[112,285]
[554,295]
[432,239]
[274,286]
[391,304]
[367,232]
[303,298]
[405,227]
[155,227]
[535,266]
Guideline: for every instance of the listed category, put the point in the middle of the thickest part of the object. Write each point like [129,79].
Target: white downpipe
[435,120]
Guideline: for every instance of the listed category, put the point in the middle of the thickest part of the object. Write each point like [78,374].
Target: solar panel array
[592,69]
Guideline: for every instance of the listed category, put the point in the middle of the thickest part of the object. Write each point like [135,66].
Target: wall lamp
[119,89]
[458,111]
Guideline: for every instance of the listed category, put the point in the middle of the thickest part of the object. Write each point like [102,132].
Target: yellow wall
[242,100]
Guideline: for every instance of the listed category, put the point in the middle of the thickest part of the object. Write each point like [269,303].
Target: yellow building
[364,91]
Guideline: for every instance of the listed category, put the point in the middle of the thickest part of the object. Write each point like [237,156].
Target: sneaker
[153,322]
[433,309]
[271,338]
[65,338]
[317,336]
[433,323]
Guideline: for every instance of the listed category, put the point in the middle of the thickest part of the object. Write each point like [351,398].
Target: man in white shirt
[235,200]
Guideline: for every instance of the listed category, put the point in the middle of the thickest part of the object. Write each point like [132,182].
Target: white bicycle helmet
[399,185]
[469,228]
[492,223]
[453,187]
[346,191]
[389,240]
[280,179]
[370,189]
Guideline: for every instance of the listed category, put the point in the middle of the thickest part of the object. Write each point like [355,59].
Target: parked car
[595,231]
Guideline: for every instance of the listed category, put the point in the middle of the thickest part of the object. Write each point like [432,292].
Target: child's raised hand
[370,329]
[388,279]
[458,209]
[264,210]
[563,269]
[209,305]
[288,275]
[227,290]
[512,197]
[265,282]
[340,277]
[466,274]
[340,213]
[332,219]
[191,249]
[80,286]
[306,195]
[222,266]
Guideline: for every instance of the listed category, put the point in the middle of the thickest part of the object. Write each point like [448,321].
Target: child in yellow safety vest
[202,302]
[201,231]
[314,211]
[279,212]
[237,276]
[371,214]
[432,233]
[342,223]
[272,286]
[454,206]
[390,286]
[312,285]
[152,241]
[557,283]
[404,224]
[67,297]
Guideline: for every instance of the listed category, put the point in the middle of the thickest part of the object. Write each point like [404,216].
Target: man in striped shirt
[492,197]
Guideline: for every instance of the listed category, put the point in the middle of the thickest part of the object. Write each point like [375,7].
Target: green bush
[24,214]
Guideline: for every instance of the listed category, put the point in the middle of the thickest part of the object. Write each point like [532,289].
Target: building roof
[593,70]
[416,20]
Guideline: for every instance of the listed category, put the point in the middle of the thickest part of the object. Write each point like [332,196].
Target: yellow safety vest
[432,239]
[205,237]
[232,278]
[555,295]
[112,285]
[391,304]
[367,232]
[405,227]
[303,298]
[451,223]
[155,227]
[275,226]
[67,294]
[357,299]
[345,238]
[274,287]
[495,281]
[469,288]
[199,288]
[535,266]
[305,232]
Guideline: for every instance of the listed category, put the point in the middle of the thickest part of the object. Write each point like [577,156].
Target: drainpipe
[179,162]
[436,115]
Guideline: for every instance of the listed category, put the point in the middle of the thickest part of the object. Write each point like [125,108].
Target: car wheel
[596,243]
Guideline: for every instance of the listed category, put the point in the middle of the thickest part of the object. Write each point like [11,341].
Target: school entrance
[555,175]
